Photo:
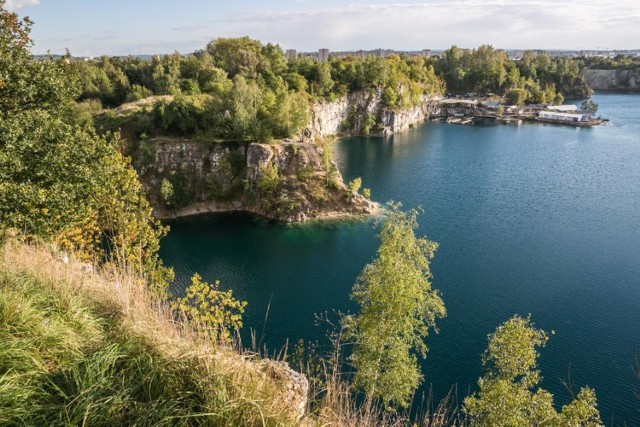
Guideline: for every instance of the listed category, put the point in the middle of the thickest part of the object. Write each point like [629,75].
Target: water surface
[532,219]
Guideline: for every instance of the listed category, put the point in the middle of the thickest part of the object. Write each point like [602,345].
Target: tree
[507,396]
[397,309]
[24,82]
[589,105]
[516,96]
[65,183]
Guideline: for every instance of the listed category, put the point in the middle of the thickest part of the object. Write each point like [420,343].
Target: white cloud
[502,23]
[394,24]
[17,4]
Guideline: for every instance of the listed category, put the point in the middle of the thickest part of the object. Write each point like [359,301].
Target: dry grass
[124,330]
[118,354]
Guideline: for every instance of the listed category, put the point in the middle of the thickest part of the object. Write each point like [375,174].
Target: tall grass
[80,348]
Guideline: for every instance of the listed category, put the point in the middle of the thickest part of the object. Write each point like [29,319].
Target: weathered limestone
[612,79]
[343,115]
[217,177]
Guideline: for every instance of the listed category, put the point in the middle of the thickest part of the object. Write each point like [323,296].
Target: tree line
[241,89]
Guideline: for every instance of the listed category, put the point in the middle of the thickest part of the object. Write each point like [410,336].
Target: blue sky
[118,27]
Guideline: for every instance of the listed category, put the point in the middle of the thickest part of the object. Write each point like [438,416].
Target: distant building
[383,53]
[427,53]
[564,117]
[563,108]
[291,54]
[323,54]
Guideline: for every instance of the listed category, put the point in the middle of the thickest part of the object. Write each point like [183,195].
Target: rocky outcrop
[612,79]
[294,386]
[288,181]
[363,112]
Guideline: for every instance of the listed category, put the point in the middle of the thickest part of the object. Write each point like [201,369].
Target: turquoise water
[532,219]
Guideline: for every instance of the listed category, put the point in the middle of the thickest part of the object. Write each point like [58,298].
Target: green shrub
[355,184]
[206,304]
[269,179]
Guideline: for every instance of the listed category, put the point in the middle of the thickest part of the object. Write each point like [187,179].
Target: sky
[118,27]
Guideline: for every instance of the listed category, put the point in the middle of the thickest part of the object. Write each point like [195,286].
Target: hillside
[81,347]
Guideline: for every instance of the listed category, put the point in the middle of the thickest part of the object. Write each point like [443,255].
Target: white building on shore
[564,117]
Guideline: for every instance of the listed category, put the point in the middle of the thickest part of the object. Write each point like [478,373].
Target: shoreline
[212,207]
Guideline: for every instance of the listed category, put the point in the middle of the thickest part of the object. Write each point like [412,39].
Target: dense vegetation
[618,62]
[539,78]
[239,89]
[84,349]
[60,182]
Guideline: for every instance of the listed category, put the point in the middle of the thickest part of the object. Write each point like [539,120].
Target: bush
[184,115]
[269,179]
[354,185]
[516,96]
[217,310]
[166,191]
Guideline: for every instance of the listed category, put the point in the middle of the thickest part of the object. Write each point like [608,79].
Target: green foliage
[61,182]
[184,115]
[138,92]
[366,192]
[516,96]
[397,309]
[355,184]
[147,153]
[486,70]
[305,173]
[81,113]
[183,186]
[328,165]
[166,191]
[369,123]
[217,310]
[269,179]
[90,352]
[507,396]
[27,84]
[389,97]
[589,105]
[319,192]
[619,62]
[558,99]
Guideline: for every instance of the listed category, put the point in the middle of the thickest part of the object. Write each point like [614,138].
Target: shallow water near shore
[532,219]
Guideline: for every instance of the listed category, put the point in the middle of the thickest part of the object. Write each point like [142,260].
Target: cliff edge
[287,181]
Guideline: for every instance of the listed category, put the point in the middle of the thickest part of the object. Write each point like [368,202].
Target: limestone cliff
[289,181]
[362,112]
[286,180]
[612,79]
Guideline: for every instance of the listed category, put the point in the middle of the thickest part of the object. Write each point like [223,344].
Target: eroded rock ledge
[286,181]
[291,180]
[612,79]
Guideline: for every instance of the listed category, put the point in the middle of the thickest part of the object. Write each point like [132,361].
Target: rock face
[612,79]
[349,115]
[288,181]
[294,387]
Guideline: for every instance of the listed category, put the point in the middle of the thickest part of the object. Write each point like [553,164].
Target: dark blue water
[532,219]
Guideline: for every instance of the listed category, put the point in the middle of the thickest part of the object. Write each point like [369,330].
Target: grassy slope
[86,349]
[80,348]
